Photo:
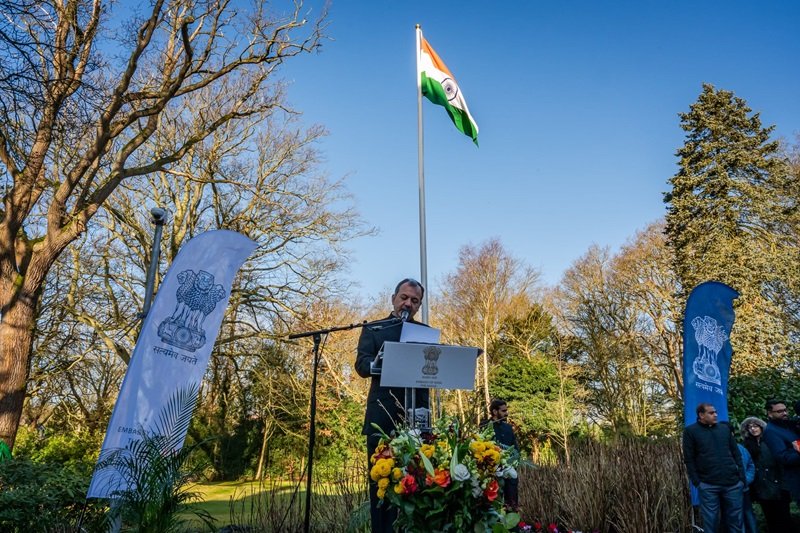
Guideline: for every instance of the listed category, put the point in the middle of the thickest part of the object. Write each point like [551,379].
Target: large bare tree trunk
[15,338]
[16,345]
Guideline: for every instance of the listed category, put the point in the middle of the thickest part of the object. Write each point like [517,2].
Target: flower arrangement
[446,480]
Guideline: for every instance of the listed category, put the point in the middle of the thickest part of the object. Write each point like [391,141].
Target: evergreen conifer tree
[727,219]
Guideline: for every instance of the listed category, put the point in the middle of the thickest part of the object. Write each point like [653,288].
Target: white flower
[477,491]
[507,472]
[461,472]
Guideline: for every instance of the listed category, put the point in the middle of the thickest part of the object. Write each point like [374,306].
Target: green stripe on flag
[434,92]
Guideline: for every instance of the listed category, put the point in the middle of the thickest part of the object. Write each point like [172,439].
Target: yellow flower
[427,450]
[383,483]
[397,474]
[491,455]
[398,488]
[381,493]
[477,447]
[373,473]
[383,467]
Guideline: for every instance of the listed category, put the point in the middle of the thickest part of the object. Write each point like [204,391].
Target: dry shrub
[337,504]
[651,486]
[622,486]
[273,506]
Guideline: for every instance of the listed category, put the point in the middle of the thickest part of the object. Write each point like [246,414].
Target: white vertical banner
[175,343]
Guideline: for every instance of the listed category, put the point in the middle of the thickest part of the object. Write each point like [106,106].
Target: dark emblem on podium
[197,296]
[432,354]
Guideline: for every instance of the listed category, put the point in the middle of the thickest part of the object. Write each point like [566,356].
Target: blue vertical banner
[707,350]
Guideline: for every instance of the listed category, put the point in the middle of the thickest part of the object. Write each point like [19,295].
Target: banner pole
[159,217]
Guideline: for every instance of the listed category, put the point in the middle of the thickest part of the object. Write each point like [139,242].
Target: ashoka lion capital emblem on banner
[196,297]
[710,338]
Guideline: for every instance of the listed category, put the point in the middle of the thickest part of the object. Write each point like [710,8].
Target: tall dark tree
[727,218]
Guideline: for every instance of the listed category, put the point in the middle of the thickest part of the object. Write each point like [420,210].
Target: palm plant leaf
[153,470]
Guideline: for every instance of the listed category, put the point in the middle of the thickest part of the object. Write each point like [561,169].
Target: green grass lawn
[216,497]
[275,506]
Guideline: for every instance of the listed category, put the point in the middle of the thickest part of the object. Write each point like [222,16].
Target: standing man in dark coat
[385,405]
[780,437]
[714,465]
[504,435]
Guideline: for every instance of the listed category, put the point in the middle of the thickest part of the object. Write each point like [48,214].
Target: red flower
[409,484]
[428,438]
[552,528]
[491,490]
[537,525]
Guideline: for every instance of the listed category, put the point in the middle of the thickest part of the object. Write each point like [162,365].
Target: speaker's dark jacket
[384,404]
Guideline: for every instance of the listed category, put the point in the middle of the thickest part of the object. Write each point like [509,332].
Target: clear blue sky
[577,105]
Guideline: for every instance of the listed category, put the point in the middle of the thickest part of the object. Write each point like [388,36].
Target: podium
[414,366]
[428,366]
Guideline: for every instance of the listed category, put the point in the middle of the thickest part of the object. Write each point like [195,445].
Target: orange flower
[491,490]
[441,477]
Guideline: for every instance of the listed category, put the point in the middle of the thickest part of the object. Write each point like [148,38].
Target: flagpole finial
[418,26]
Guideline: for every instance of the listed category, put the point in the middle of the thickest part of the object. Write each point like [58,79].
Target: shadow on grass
[338,504]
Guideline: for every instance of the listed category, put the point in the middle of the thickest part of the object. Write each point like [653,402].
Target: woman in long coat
[768,488]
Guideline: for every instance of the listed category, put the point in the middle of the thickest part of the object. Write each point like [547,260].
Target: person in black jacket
[768,487]
[781,437]
[714,465]
[504,435]
[385,405]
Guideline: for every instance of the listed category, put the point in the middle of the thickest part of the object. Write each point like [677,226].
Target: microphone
[404,315]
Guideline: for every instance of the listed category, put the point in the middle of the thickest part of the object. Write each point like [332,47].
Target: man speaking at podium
[385,405]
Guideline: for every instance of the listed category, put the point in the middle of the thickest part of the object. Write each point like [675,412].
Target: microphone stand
[316,336]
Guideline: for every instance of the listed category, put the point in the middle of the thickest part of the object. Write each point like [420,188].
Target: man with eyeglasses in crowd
[781,437]
[714,465]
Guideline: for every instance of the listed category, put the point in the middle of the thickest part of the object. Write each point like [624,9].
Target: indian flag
[439,85]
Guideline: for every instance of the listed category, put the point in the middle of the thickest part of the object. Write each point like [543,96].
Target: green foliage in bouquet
[447,480]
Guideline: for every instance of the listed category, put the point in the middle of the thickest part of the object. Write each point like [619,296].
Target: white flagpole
[423,254]
[423,247]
